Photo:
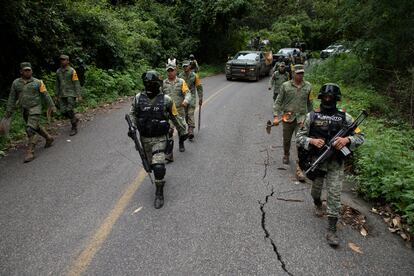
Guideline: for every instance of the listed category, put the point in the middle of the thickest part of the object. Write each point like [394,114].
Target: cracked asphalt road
[221,213]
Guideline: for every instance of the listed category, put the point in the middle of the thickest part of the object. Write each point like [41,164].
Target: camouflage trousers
[31,120]
[275,93]
[67,104]
[189,115]
[154,148]
[289,129]
[333,181]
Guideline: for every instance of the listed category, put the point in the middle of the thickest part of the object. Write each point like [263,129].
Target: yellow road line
[84,259]
[101,234]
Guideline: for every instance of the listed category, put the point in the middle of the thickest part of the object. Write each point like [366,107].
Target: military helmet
[191,56]
[330,89]
[152,81]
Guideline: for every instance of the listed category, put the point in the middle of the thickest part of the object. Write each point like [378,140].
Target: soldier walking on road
[194,64]
[194,83]
[320,126]
[278,78]
[28,93]
[151,111]
[178,90]
[68,91]
[292,104]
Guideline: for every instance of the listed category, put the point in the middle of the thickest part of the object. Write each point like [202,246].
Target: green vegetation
[384,164]
[117,40]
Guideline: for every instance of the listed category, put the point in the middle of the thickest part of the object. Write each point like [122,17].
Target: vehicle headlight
[228,66]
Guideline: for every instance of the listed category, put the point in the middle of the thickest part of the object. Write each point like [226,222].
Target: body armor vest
[326,126]
[151,121]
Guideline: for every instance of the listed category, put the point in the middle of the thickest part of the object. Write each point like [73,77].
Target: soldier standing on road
[292,104]
[278,78]
[194,83]
[68,91]
[320,126]
[28,93]
[178,90]
[194,64]
[151,111]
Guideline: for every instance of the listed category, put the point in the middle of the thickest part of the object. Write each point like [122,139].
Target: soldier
[28,93]
[194,64]
[320,126]
[293,103]
[178,90]
[278,78]
[151,111]
[68,91]
[194,83]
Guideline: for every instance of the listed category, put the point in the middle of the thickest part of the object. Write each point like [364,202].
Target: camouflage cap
[64,57]
[170,66]
[25,65]
[299,68]
[186,63]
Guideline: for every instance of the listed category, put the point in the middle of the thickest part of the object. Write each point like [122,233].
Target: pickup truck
[249,65]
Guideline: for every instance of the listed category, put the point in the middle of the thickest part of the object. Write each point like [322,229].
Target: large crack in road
[266,163]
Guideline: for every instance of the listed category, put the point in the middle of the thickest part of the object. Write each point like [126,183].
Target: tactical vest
[326,126]
[151,121]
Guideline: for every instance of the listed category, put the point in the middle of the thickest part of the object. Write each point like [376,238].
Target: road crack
[267,234]
[266,163]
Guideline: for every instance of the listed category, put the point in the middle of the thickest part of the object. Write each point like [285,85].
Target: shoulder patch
[184,87]
[42,87]
[74,75]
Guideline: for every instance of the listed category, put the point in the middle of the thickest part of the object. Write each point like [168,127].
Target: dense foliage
[118,39]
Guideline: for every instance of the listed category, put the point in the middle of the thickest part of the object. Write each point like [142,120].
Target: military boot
[47,136]
[299,174]
[159,195]
[29,153]
[181,147]
[318,208]
[74,121]
[331,236]
[191,133]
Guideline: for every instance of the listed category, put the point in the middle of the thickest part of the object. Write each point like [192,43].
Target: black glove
[183,137]
[131,133]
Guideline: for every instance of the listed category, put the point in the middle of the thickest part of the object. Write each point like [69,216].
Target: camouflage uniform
[155,146]
[194,83]
[178,91]
[333,167]
[28,95]
[293,103]
[67,89]
[276,82]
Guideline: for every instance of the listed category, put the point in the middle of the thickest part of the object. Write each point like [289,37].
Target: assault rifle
[133,134]
[329,149]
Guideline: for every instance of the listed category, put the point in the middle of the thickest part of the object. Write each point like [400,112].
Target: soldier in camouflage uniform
[28,93]
[292,104]
[194,83]
[278,78]
[68,91]
[320,126]
[151,111]
[178,90]
[194,64]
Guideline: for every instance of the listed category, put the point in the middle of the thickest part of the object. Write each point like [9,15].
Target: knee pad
[30,131]
[159,171]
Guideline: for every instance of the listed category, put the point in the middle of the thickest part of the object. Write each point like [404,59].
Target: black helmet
[191,56]
[330,89]
[152,81]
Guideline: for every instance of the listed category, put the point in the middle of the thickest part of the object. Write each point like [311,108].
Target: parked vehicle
[333,49]
[248,65]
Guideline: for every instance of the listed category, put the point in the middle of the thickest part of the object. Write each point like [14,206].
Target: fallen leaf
[355,248]
[387,220]
[364,232]
[404,236]
[68,141]
[375,211]
[396,221]
[392,230]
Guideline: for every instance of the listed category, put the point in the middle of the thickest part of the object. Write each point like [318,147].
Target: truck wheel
[228,78]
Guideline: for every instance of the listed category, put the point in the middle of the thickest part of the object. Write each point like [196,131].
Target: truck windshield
[251,56]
